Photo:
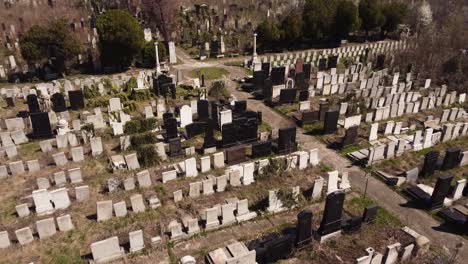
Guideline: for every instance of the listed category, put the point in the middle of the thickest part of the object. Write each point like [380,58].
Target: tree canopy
[318,17]
[394,14]
[347,19]
[371,15]
[292,28]
[148,54]
[269,34]
[55,41]
[120,37]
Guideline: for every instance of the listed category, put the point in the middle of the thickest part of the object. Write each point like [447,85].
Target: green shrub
[143,139]
[147,156]
[140,125]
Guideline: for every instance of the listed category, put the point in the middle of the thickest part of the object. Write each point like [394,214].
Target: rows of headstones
[318,58]
[45,228]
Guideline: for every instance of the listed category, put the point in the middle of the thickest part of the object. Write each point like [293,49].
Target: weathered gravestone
[350,136]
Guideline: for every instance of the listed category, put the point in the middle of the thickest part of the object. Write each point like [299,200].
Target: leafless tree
[164,13]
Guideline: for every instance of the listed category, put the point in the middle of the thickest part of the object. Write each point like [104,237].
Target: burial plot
[436,199]
[309,117]
[196,128]
[41,125]
[58,102]
[76,99]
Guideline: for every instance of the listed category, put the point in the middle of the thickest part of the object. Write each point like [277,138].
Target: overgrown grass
[210,73]
[234,63]
[350,149]
[264,127]
[287,109]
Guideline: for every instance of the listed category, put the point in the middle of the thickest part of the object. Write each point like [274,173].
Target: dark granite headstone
[304,95]
[323,109]
[171,128]
[441,190]
[175,147]
[58,102]
[331,220]
[278,75]
[300,81]
[309,116]
[307,70]
[304,228]
[203,80]
[33,103]
[229,135]
[288,96]
[166,116]
[196,128]
[258,80]
[286,140]
[322,65]
[248,131]
[331,122]
[350,136]
[214,112]
[332,62]
[40,124]
[261,149]
[380,62]
[172,88]
[209,140]
[266,69]
[430,163]
[267,89]
[240,107]
[352,224]
[370,213]
[235,155]
[76,99]
[202,109]
[451,159]
[10,101]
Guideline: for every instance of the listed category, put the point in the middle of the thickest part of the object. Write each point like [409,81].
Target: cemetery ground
[376,189]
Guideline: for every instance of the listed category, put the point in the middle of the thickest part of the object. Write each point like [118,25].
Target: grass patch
[234,63]
[350,149]
[317,126]
[383,216]
[286,110]
[264,127]
[63,254]
[325,168]
[210,73]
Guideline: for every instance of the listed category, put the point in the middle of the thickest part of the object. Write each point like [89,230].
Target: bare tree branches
[164,13]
